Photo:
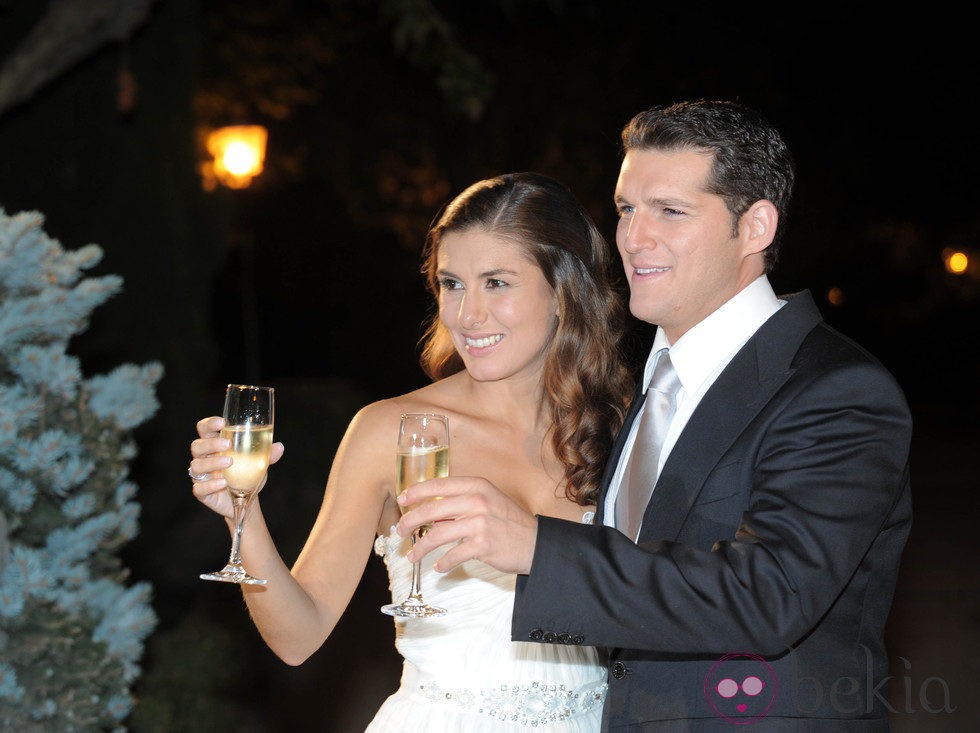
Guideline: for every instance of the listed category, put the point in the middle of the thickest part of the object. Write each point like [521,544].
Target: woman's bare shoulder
[374,415]
[383,415]
[440,396]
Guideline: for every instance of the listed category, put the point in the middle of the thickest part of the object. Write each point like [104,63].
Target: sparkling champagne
[250,449]
[420,465]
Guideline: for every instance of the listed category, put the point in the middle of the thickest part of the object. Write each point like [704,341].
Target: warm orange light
[956,262]
[238,152]
[835,296]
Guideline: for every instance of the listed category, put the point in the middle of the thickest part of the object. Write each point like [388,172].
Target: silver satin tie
[640,475]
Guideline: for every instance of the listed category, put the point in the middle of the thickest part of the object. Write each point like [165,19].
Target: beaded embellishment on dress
[530,704]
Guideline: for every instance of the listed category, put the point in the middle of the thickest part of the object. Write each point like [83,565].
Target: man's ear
[758,226]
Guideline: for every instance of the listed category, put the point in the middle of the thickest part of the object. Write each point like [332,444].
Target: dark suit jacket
[768,554]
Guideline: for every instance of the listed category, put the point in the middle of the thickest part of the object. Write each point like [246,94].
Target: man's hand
[487,524]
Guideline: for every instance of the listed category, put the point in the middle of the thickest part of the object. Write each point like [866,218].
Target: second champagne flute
[422,454]
[249,416]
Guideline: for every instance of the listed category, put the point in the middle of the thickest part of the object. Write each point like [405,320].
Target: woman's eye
[448,283]
[494,283]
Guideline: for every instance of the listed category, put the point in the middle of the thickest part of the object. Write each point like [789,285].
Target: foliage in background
[71,629]
[428,38]
[68,32]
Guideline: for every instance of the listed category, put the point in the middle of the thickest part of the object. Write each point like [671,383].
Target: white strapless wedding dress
[463,673]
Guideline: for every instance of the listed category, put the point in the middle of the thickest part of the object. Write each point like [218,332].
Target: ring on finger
[196,476]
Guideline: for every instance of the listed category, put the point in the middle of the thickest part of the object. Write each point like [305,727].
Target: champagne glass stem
[234,572]
[416,573]
[241,505]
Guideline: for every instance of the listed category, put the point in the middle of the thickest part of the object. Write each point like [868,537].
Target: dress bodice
[465,663]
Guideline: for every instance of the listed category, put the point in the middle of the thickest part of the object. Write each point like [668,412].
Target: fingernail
[400,499]
[411,555]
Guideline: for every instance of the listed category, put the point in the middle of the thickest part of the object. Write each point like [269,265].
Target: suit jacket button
[619,670]
[563,638]
[578,639]
[536,635]
[550,637]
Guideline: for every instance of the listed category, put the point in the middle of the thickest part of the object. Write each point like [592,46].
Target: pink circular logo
[741,688]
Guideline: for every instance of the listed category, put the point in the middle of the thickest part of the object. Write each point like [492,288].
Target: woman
[525,361]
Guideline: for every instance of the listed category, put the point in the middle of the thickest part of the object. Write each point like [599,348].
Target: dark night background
[378,113]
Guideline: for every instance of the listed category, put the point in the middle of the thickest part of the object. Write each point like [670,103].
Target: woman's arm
[297,609]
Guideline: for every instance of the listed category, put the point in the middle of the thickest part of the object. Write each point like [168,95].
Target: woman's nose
[472,311]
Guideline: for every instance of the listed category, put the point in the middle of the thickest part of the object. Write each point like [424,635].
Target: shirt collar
[699,352]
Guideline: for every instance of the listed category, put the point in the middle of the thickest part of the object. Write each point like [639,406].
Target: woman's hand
[206,465]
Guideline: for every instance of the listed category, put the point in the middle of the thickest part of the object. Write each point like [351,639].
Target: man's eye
[624,210]
[673,212]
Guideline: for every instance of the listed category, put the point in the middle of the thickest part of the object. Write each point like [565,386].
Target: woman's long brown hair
[586,381]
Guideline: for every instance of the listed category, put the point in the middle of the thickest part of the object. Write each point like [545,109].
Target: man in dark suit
[756,504]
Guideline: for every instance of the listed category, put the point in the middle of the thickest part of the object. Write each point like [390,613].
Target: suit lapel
[724,412]
[759,369]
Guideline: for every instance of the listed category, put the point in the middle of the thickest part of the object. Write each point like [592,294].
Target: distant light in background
[237,156]
[956,262]
[835,296]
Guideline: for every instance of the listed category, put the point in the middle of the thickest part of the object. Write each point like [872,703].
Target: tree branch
[69,31]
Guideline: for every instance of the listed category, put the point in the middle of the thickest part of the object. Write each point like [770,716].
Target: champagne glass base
[413,608]
[233,574]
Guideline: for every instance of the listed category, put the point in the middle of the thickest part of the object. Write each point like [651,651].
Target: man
[756,504]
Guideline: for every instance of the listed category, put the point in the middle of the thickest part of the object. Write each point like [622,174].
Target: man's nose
[639,233]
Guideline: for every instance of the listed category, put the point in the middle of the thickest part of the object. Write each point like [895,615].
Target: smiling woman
[524,354]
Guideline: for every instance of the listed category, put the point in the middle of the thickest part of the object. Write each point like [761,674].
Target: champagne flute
[249,414]
[422,454]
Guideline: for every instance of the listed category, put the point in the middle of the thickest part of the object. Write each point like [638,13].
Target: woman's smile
[481,343]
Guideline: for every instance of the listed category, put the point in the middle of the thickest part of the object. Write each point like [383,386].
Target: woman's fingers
[213,495]
[277,450]
[207,463]
[206,449]
[210,427]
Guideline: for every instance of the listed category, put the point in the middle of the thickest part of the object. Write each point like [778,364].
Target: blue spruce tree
[71,627]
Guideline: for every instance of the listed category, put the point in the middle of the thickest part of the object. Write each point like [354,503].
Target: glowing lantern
[238,154]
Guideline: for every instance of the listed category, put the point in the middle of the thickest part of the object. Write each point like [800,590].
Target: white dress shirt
[699,356]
